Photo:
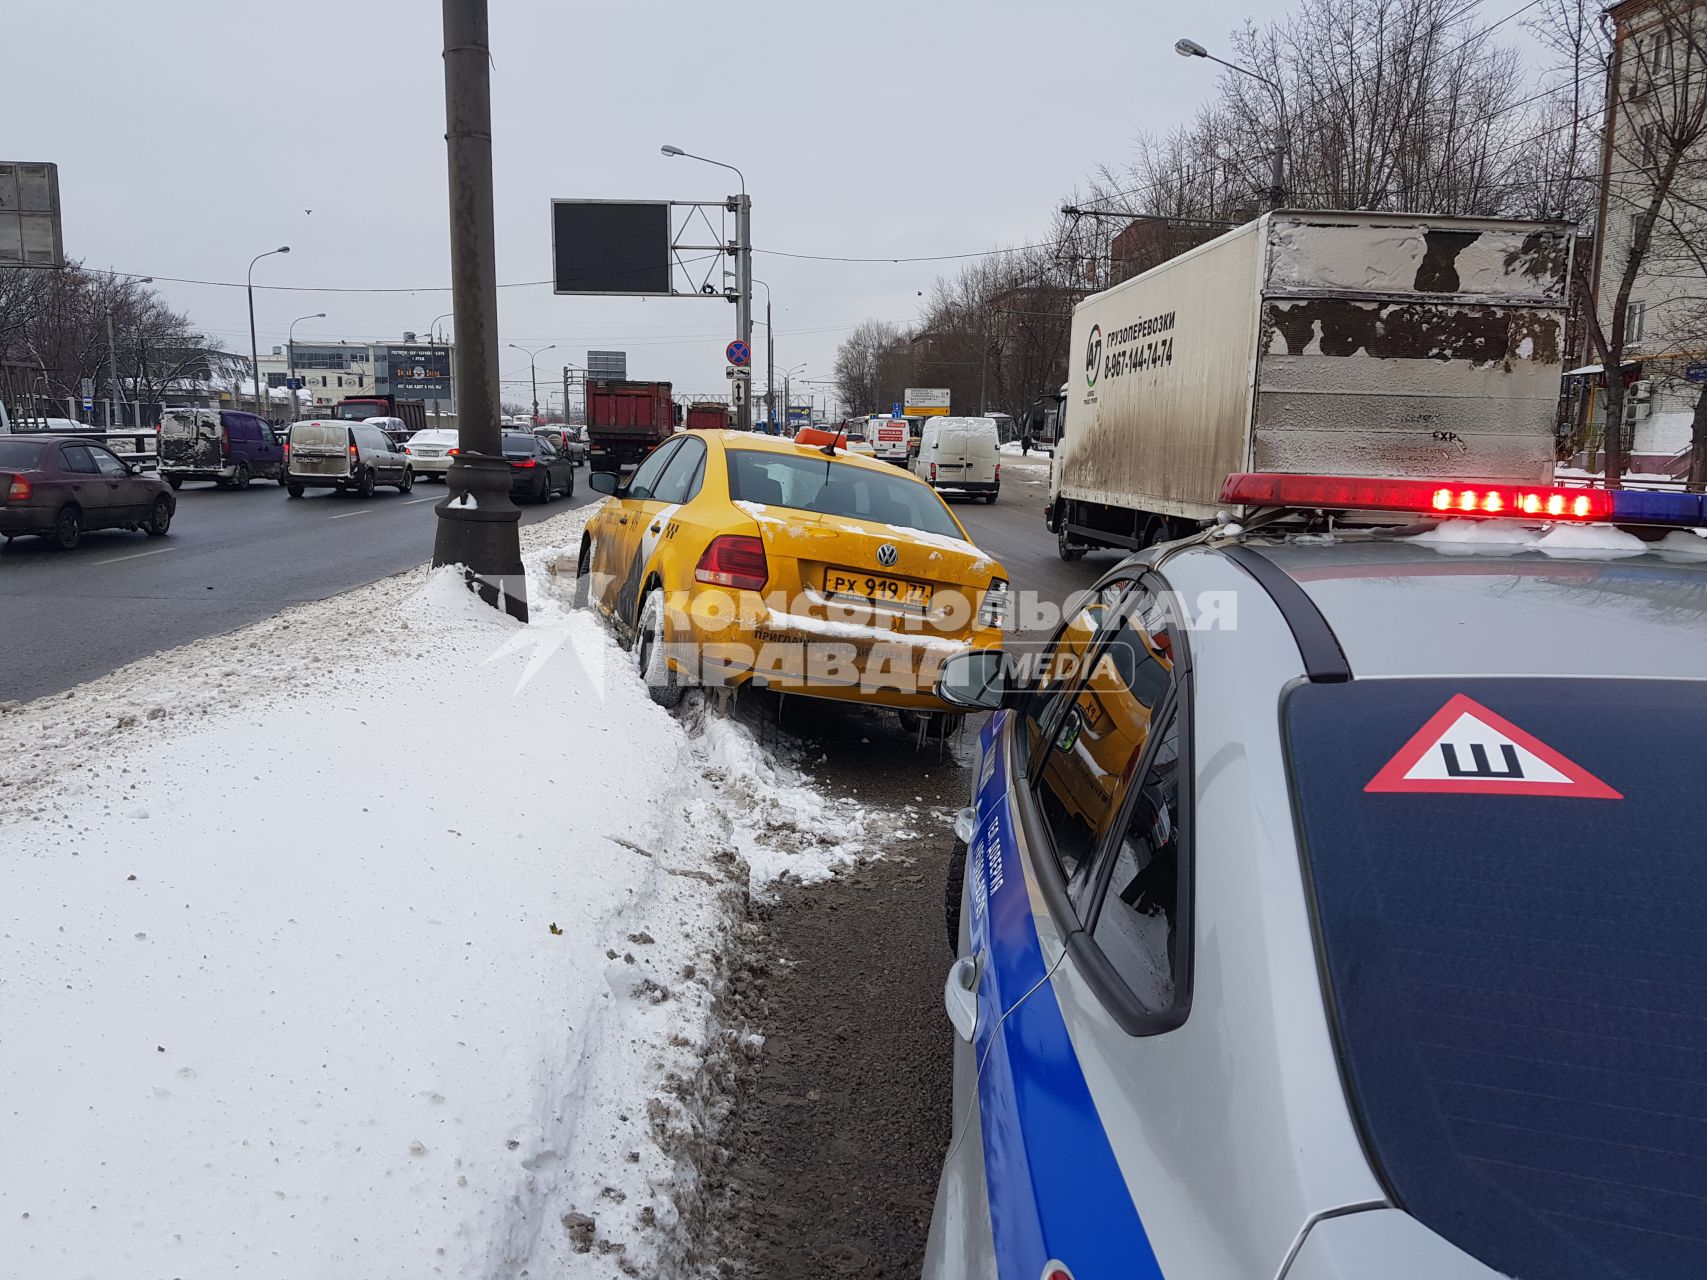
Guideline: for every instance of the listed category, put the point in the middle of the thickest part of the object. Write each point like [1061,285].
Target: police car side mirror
[605,482]
[974,680]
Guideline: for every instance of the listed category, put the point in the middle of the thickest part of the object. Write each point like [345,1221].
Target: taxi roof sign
[1466,749]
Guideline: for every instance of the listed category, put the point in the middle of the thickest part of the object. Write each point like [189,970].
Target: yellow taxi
[731,559]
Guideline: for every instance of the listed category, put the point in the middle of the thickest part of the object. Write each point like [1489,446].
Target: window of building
[1635,321]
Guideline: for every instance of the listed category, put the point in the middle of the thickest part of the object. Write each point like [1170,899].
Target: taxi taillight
[734,560]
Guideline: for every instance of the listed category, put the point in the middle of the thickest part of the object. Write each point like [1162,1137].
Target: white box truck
[1359,344]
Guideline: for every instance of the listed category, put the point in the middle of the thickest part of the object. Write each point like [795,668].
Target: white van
[961,455]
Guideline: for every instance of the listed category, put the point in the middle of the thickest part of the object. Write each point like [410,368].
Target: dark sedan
[539,469]
[58,487]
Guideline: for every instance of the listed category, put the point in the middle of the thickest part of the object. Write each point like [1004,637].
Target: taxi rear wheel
[649,657]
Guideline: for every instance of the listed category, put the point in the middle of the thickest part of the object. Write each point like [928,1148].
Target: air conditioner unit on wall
[1642,390]
[1635,411]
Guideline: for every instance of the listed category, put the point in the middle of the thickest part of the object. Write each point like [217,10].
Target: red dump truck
[626,420]
[412,413]
[707,415]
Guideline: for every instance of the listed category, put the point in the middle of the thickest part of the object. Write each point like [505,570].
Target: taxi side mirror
[974,680]
[605,482]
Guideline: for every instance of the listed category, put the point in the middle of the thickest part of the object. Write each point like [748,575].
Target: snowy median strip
[284,995]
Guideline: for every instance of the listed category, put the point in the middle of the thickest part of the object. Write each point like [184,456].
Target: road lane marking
[137,555]
[412,502]
[365,511]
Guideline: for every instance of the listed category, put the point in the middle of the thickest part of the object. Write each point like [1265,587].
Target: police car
[1335,903]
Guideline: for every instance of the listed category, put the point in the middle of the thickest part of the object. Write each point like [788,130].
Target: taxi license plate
[898,591]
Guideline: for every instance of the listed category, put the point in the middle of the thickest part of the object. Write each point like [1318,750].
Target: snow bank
[1593,541]
[283,994]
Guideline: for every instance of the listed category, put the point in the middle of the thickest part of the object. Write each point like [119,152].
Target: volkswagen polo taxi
[1333,904]
[735,559]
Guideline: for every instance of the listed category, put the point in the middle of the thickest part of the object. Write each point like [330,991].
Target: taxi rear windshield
[836,489]
[1510,887]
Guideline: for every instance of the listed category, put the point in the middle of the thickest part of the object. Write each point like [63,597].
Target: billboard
[30,234]
[926,401]
[610,246]
[420,372]
[608,364]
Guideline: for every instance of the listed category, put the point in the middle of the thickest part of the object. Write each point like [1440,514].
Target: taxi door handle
[656,527]
[622,519]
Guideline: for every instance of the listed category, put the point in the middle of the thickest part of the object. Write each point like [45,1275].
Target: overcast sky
[192,135]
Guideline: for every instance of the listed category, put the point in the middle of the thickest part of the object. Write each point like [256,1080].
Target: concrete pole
[478,524]
[770,366]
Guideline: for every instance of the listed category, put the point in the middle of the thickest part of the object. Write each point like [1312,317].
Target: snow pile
[1590,541]
[285,995]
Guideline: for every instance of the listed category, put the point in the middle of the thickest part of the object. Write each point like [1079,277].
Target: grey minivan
[324,453]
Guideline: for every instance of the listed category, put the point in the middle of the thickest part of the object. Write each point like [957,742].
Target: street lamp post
[533,373]
[254,349]
[433,338]
[743,270]
[290,348]
[1277,180]
[787,397]
[770,361]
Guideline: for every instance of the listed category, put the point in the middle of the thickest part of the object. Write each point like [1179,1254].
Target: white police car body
[1356,932]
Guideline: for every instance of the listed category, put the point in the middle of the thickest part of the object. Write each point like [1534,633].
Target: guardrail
[132,445]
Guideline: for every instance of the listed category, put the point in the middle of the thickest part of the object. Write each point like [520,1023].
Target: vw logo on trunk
[887,555]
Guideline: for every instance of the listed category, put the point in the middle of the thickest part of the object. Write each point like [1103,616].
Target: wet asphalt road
[232,558]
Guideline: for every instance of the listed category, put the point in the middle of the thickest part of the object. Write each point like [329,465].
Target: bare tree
[56,324]
[860,365]
[1654,195]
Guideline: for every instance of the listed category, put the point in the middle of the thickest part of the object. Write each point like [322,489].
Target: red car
[59,486]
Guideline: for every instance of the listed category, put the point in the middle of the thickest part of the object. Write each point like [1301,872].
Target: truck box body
[626,420]
[707,415]
[1369,344]
[413,413]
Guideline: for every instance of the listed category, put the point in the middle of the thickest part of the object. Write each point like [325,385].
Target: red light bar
[1422,497]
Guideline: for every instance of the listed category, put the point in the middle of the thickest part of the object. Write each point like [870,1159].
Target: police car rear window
[1510,890]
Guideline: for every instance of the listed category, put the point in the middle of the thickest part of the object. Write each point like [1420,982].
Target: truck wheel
[1065,549]
[365,488]
[177,482]
[294,490]
[240,480]
[990,499]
